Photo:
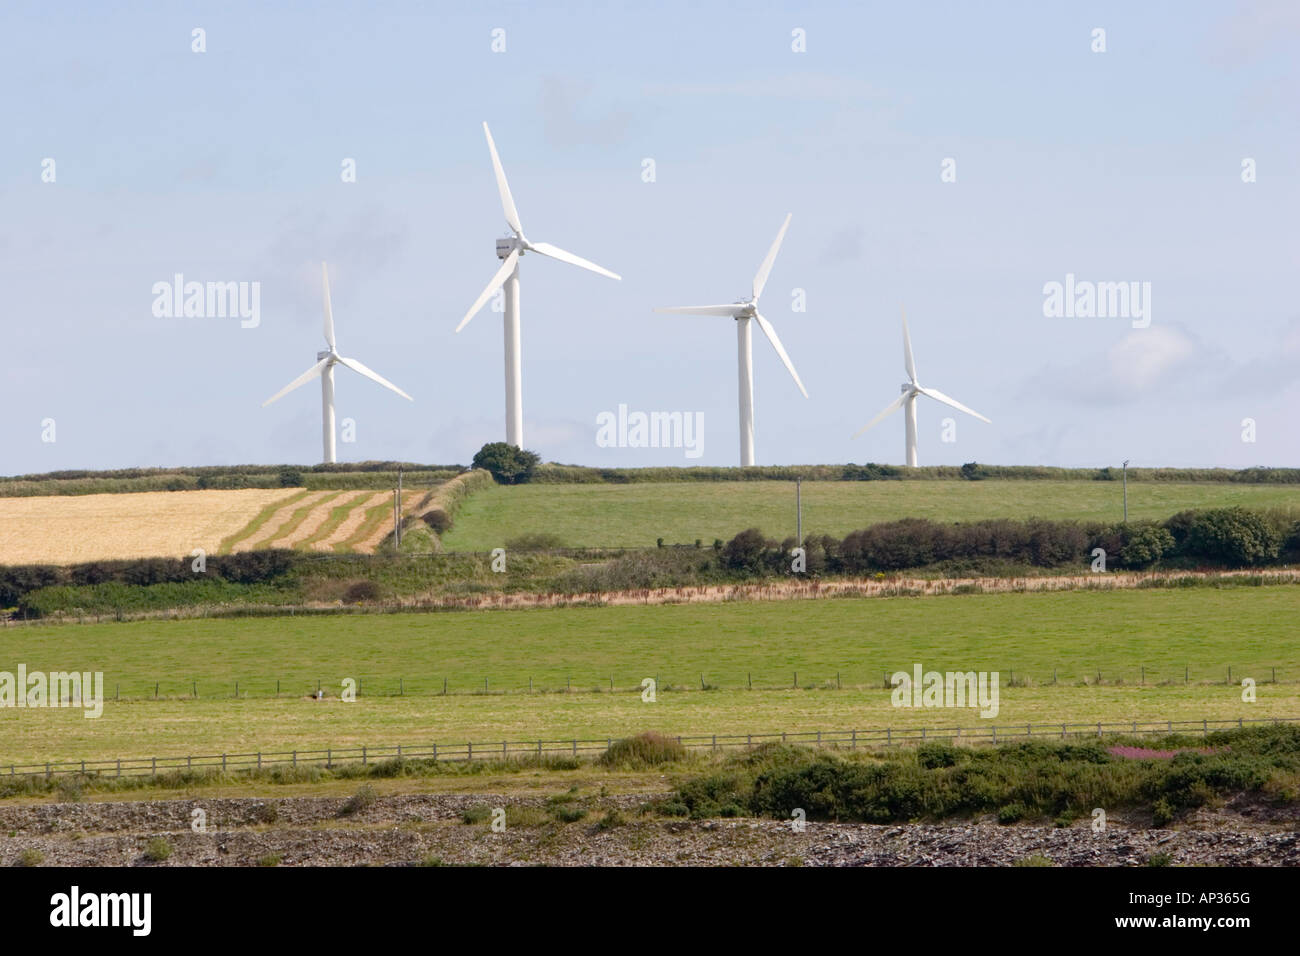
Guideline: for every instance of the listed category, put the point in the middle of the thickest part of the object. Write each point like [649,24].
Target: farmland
[839,649]
[637,515]
[66,529]
[69,529]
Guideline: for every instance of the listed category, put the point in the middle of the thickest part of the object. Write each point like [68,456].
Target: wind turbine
[509,250]
[325,369]
[743,310]
[910,389]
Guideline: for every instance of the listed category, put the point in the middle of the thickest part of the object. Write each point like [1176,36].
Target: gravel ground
[410,829]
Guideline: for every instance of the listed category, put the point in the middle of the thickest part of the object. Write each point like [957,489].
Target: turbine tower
[910,389]
[325,369]
[743,310]
[509,250]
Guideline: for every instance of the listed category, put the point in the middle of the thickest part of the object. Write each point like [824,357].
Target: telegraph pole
[1126,461]
[798,512]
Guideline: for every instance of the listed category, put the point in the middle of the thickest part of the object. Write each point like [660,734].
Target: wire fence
[825,679]
[577,748]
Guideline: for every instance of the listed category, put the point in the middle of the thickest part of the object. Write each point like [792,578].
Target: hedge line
[1235,537]
[580,474]
[244,567]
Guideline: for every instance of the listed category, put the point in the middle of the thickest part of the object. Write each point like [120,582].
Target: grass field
[1074,633]
[71,529]
[635,515]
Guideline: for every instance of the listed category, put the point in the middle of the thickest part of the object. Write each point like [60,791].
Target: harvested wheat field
[67,530]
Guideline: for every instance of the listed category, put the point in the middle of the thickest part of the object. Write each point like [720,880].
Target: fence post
[119,766]
[329,758]
[295,758]
[223,763]
[469,750]
[575,746]
[259,760]
[539,750]
[155,766]
[889,736]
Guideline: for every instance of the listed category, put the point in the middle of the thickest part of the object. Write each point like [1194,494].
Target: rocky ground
[428,828]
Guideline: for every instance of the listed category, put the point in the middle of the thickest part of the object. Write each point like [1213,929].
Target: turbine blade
[939,396]
[373,376]
[329,312]
[555,252]
[760,277]
[503,187]
[889,409]
[772,337]
[728,310]
[908,362]
[497,281]
[302,379]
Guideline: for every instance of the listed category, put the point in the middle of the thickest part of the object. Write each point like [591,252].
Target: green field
[636,515]
[1075,634]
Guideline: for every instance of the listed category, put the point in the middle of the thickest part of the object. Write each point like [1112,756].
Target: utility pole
[1126,461]
[397,514]
[798,512]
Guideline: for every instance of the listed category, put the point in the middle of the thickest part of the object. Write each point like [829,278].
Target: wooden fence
[579,748]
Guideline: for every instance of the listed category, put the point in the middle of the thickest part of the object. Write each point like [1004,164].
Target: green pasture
[637,515]
[1160,654]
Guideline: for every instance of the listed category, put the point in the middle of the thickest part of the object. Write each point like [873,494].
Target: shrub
[476,814]
[157,849]
[643,750]
[745,551]
[364,798]
[1146,545]
[1234,536]
[507,464]
[438,520]
[289,478]
[30,857]
[270,859]
[972,471]
[359,591]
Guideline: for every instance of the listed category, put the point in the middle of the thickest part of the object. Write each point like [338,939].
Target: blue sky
[225,166]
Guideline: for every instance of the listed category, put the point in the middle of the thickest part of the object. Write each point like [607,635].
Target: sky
[1128,164]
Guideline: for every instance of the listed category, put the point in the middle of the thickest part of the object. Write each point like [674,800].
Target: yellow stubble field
[66,529]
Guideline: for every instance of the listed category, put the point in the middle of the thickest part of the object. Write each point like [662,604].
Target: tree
[508,465]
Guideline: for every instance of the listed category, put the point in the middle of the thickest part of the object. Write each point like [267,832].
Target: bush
[359,591]
[972,471]
[157,849]
[1234,536]
[289,478]
[30,857]
[745,551]
[364,798]
[643,750]
[438,520]
[1146,545]
[507,464]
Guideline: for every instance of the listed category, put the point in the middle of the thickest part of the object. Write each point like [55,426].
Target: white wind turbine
[509,250]
[910,389]
[325,369]
[742,310]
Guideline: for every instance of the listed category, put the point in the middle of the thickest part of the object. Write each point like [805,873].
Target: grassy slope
[1074,632]
[636,515]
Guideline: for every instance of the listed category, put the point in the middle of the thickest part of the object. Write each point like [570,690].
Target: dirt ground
[423,828]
